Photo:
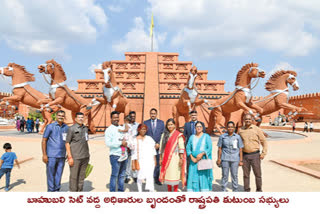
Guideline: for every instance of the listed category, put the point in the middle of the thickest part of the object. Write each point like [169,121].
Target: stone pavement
[31,177]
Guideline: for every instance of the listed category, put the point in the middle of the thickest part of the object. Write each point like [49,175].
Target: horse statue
[279,94]
[189,98]
[240,98]
[62,95]
[23,92]
[112,94]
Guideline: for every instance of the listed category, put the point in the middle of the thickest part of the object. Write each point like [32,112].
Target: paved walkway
[31,177]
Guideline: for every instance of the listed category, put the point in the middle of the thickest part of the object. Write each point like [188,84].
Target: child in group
[6,163]
[125,133]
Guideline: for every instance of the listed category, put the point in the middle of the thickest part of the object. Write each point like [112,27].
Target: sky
[219,36]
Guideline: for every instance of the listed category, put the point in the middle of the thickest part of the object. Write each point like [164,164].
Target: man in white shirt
[114,140]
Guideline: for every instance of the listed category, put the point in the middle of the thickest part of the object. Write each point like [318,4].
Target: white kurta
[146,159]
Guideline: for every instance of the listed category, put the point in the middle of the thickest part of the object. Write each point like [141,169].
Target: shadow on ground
[87,186]
[17,183]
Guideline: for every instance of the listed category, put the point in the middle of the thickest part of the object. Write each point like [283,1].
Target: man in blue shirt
[114,140]
[54,151]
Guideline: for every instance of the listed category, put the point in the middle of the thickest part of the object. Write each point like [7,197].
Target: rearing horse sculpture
[23,92]
[279,93]
[112,94]
[240,98]
[62,95]
[189,98]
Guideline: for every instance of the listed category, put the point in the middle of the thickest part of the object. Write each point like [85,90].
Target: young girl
[125,133]
[6,163]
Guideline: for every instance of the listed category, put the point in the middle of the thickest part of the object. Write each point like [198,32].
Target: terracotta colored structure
[23,92]
[112,94]
[311,102]
[278,86]
[150,80]
[189,99]
[240,98]
[61,95]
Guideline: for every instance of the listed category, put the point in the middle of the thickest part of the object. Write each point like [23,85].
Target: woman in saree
[173,157]
[199,147]
[18,124]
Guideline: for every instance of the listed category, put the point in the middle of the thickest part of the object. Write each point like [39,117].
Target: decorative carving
[200,76]
[133,76]
[211,87]
[181,67]
[184,76]
[174,86]
[119,75]
[168,58]
[121,66]
[198,86]
[170,76]
[92,86]
[134,58]
[167,66]
[129,86]
[135,66]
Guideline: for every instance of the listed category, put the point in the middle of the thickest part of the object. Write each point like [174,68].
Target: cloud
[208,28]
[94,66]
[138,39]
[282,66]
[311,73]
[5,84]
[115,9]
[47,27]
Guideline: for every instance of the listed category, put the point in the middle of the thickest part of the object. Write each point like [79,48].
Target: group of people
[30,124]
[306,126]
[153,152]
[60,141]
[157,153]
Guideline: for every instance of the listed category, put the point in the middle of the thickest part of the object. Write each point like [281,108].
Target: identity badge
[235,143]
[64,136]
[87,137]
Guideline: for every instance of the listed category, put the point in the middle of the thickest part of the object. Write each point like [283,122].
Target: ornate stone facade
[150,80]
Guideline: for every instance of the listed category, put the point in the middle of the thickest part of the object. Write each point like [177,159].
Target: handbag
[135,163]
[204,164]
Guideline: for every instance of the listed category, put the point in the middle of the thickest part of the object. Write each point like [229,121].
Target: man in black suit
[155,130]
[190,129]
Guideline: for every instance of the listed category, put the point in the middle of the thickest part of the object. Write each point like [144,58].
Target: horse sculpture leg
[211,123]
[87,115]
[217,117]
[47,120]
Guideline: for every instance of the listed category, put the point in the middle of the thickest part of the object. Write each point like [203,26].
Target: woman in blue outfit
[199,147]
[230,156]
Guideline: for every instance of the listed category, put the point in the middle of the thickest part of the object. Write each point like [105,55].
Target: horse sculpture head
[192,76]
[18,73]
[281,79]
[54,69]
[109,78]
[247,72]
